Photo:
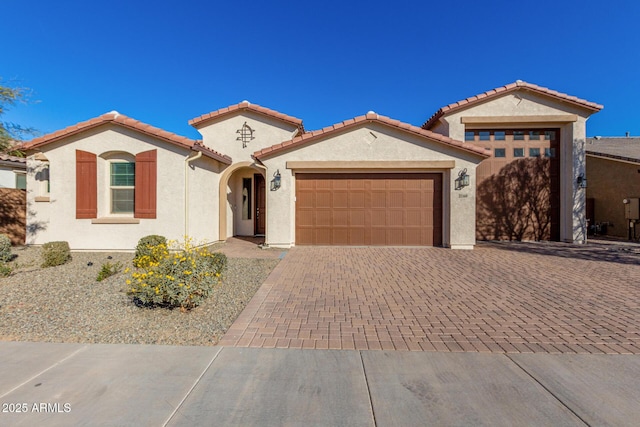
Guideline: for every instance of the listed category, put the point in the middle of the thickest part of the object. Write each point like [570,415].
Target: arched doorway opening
[242,201]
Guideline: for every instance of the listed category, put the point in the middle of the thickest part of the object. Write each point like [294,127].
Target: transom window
[122,186]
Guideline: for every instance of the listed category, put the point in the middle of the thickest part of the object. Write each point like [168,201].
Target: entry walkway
[501,297]
[52,384]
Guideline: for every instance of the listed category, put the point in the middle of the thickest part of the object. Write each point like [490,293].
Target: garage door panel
[323,200]
[323,218]
[305,218]
[378,199]
[395,236]
[379,218]
[357,218]
[369,209]
[305,236]
[358,184]
[322,237]
[340,199]
[377,184]
[396,199]
[414,199]
[340,218]
[396,218]
[357,236]
[357,200]
[414,218]
[340,236]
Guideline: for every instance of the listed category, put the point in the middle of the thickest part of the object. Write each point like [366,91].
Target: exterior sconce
[462,180]
[276,181]
[581,181]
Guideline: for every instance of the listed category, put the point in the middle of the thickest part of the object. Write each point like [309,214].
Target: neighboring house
[528,189]
[370,180]
[613,175]
[13,202]
[13,172]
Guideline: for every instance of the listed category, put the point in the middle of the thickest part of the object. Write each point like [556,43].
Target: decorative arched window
[129,185]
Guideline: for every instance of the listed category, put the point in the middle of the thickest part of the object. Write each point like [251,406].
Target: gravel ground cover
[67,304]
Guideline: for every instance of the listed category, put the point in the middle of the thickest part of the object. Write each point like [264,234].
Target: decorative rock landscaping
[67,304]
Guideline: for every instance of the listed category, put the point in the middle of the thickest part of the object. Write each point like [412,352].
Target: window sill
[42,199]
[114,220]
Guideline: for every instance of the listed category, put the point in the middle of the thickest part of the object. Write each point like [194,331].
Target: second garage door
[369,209]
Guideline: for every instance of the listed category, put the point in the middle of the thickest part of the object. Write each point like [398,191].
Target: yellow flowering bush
[175,277]
[148,250]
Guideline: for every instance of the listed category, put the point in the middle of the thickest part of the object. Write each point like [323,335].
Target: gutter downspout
[187,160]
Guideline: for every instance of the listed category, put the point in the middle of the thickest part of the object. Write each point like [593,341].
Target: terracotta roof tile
[12,159]
[121,120]
[517,85]
[369,118]
[246,105]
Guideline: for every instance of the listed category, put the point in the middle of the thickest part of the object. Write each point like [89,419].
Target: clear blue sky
[165,62]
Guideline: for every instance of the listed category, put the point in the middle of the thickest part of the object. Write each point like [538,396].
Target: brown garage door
[369,209]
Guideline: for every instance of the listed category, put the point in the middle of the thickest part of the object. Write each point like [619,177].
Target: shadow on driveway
[621,253]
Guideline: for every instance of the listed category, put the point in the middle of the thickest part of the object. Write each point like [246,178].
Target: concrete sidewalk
[142,385]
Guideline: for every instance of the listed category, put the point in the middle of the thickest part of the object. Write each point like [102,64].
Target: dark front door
[260,216]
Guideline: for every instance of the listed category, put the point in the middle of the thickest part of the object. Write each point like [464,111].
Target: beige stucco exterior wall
[609,182]
[534,108]
[202,203]
[56,219]
[221,135]
[375,142]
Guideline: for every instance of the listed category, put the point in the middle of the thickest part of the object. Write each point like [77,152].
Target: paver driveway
[500,297]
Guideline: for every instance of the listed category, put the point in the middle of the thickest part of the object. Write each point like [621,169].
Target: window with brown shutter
[86,185]
[146,184]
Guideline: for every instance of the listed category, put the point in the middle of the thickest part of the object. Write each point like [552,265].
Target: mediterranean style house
[505,164]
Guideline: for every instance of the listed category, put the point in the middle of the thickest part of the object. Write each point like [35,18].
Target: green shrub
[145,248]
[5,248]
[184,278]
[5,269]
[108,270]
[55,253]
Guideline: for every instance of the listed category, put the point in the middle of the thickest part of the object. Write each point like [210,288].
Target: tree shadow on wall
[13,210]
[515,203]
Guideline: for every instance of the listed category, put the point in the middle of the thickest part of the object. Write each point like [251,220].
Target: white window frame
[20,173]
[119,187]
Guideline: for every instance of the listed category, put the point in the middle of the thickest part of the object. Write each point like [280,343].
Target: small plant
[55,253]
[182,278]
[108,270]
[5,269]
[5,248]
[145,248]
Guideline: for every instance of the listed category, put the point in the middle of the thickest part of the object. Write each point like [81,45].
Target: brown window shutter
[86,185]
[146,184]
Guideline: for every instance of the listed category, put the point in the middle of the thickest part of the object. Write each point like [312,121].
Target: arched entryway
[242,201]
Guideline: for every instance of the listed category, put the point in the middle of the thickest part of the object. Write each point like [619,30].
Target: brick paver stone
[500,297]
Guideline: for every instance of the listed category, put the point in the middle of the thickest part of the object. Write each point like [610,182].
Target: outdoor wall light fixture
[462,180]
[276,181]
[582,181]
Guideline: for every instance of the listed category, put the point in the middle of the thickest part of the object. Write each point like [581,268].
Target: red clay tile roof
[360,120]
[246,105]
[12,159]
[502,90]
[127,122]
